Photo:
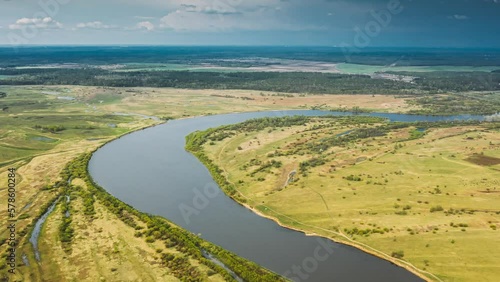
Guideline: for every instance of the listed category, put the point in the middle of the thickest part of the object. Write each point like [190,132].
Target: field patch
[483,160]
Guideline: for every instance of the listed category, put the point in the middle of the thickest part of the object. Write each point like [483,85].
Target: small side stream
[38,227]
[67,213]
[213,259]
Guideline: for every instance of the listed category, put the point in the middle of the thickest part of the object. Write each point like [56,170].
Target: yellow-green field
[30,143]
[427,201]
[188,102]
[44,127]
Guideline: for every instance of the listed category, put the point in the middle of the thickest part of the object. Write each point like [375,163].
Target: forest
[291,82]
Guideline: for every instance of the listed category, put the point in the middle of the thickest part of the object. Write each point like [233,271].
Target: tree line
[292,82]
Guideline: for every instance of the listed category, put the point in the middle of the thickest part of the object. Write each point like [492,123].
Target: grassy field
[42,129]
[426,198]
[186,102]
[39,134]
[179,103]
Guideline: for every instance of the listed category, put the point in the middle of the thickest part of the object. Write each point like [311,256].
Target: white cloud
[39,23]
[145,25]
[207,15]
[218,10]
[94,25]
[190,21]
[172,5]
[459,17]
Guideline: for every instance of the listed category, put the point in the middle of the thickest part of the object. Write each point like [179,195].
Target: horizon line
[263,45]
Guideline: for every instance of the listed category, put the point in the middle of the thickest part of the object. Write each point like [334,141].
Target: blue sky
[361,23]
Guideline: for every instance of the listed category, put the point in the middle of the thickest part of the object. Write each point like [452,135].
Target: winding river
[151,171]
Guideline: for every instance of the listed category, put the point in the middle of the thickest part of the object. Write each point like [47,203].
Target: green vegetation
[473,103]
[455,81]
[417,133]
[398,254]
[51,129]
[66,231]
[388,188]
[436,209]
[319,83]
[293,82]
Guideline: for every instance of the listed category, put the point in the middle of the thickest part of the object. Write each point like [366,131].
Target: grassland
[424,196]
[179,103]
[30,144]
[371,69]
[471,102]
[41,132]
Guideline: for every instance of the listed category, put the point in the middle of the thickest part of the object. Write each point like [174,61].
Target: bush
[436,209]
[24,216]
[353,178]
[398,254]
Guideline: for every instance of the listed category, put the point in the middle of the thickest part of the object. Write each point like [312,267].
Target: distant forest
[298,82]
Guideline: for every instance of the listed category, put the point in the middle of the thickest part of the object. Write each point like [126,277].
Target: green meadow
[426,199]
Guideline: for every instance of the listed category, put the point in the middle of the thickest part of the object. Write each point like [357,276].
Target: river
[151,171]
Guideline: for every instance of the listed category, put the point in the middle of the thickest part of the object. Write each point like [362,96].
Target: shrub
[436,209]
[353,178]
[398,254]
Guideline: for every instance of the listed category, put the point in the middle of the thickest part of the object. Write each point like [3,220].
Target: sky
[339,23]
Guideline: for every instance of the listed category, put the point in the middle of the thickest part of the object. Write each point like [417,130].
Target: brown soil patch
[483,160]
